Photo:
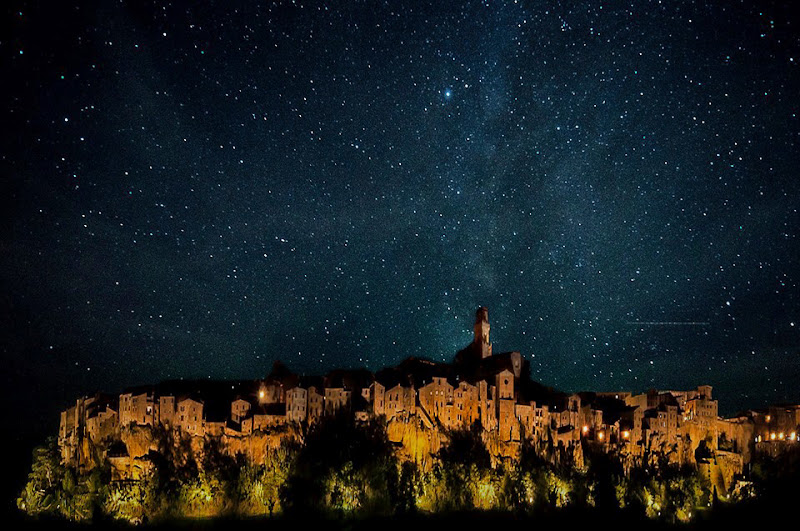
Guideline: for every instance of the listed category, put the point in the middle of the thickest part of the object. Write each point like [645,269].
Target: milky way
[196,191]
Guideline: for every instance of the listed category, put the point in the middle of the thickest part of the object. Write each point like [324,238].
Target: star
[338,219]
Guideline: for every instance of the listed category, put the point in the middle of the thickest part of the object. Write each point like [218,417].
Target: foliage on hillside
[348,468]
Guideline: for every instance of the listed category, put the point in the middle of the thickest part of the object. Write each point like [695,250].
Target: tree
[45,485]
[466,447]
[342,461]
[408,488]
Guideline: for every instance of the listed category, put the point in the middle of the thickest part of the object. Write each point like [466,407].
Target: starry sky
[193,190]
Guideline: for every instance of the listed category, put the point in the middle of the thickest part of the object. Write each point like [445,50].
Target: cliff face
[414,440]
[423,403]
[418,437]
[347,461]
[139,442]
[344,464]
[257,446]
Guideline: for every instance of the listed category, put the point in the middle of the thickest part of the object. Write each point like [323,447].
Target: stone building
[297,404]
[268,416]
[316,403]
[337,398]
[189,416]
[378,396]
[240,409]
[700,406]
[136,408]
[434,397]
[400,399]
[465,404]
[166,409]
[480,388]
[102,422]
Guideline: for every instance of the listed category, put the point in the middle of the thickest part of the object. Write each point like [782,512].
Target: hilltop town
[422,402]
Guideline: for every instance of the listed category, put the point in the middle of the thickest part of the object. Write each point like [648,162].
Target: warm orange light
[586,429]
[626,434]
[601,435]
[780,436]
[772,436]
[793,436]
[769,418]
[261,394]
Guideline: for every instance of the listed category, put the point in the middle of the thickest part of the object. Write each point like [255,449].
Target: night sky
[195,191]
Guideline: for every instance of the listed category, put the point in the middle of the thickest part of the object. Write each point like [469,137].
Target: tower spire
[482,332]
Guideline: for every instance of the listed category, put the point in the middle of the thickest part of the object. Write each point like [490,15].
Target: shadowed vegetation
[348,469]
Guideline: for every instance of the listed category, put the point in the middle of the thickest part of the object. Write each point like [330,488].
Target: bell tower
[482,332]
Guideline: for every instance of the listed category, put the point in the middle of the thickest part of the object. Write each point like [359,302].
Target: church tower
[482,332]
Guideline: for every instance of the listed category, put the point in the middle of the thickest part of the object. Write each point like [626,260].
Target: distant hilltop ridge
[422,402]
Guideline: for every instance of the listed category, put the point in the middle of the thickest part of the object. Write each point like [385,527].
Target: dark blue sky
[196,191]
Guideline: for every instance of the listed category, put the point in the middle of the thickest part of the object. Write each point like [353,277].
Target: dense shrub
[346,467]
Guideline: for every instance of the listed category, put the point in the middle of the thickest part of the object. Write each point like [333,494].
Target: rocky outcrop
[414,439]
